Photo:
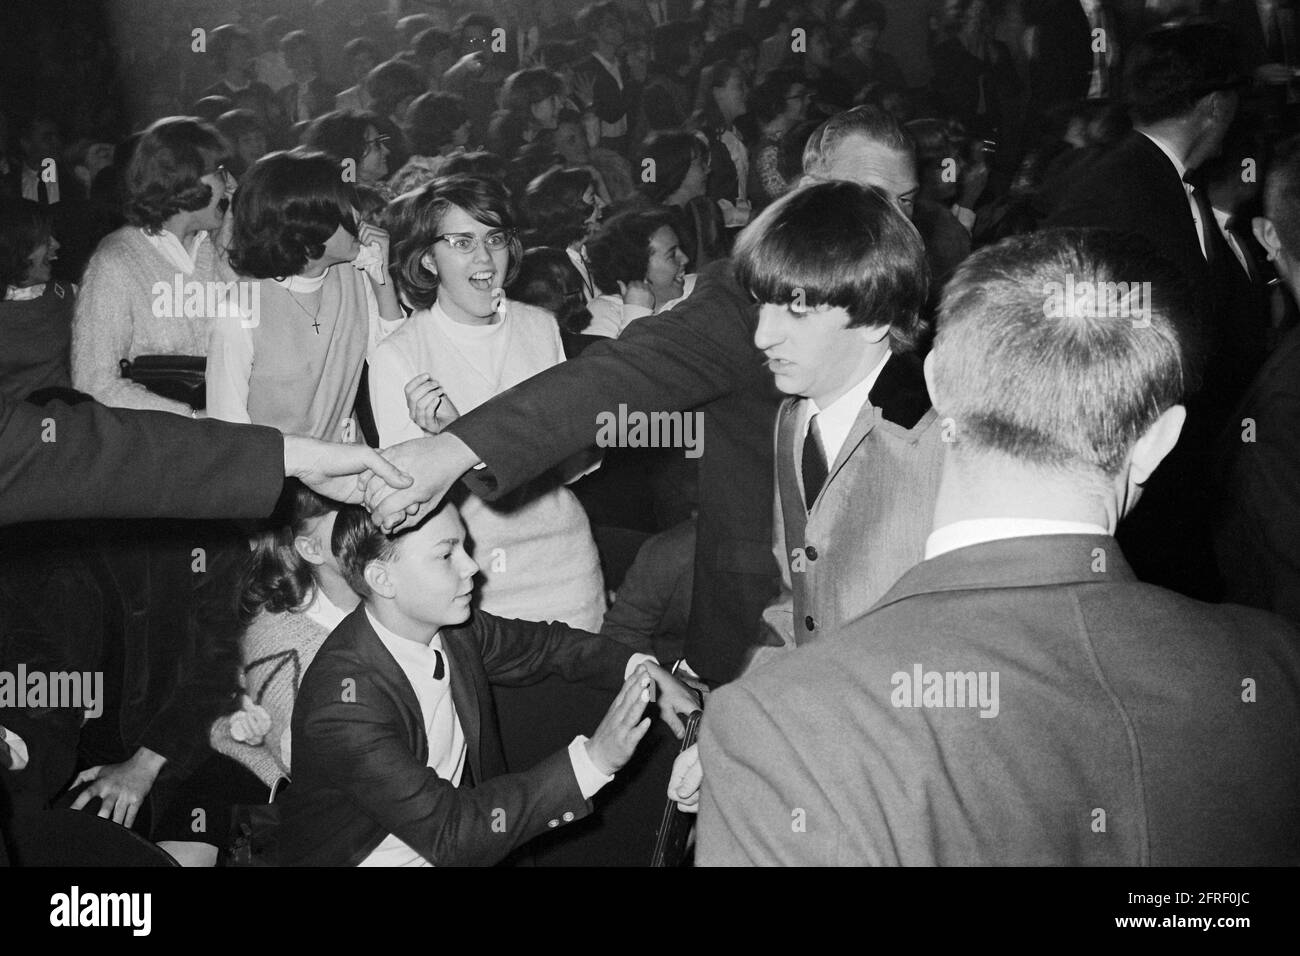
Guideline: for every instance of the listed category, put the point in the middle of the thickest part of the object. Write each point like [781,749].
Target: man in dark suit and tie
[1019,697]
[1182,94]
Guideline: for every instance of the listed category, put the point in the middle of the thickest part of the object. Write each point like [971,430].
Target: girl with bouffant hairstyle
[166,172]
[177,196]
[415,222]
[315,298]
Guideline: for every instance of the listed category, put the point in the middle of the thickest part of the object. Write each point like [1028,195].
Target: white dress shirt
[174,251]
[1187,188]
[31,187]
[963,534]
[836,420]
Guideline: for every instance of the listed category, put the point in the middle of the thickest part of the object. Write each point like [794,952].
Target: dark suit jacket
[1133,726]
[359,765]
[1257,537]
[86,461]
[1060,71]
[697,355]
[1134,188]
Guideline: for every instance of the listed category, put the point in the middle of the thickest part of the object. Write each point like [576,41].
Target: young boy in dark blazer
[397,759]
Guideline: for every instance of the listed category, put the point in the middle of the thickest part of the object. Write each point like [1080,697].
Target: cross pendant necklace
[314,316]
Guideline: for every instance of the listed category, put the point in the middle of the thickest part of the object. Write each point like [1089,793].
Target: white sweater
[535,548]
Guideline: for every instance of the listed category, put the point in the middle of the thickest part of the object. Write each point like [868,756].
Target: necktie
[814,464]
[1204,219]
[42,190]
[439,671]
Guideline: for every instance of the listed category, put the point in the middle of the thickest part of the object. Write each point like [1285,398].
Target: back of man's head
[1171,68]
[1058,350]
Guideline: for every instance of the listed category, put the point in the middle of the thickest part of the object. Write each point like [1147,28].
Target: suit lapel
[372,650]
[464,695]
[900,396]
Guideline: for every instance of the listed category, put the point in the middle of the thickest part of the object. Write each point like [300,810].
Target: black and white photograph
[650,434]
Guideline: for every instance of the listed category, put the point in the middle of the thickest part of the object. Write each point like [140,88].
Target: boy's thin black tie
[814,463]
[439,671]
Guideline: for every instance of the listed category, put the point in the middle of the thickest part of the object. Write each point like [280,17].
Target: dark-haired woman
[35,312]
[437,127]
[135,299]
[455,250]
[561,209]
[681,164]
[292,596]
[359,140]
[296,362]
[530,103]
[636,252]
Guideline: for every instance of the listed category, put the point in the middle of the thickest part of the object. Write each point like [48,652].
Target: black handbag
[178,377]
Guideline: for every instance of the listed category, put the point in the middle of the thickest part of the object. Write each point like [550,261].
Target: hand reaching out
[339,471]
[615,740]
[434,463]
[584,89]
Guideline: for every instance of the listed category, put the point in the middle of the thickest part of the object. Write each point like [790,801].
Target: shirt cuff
[635,661]
[590,779]
[18,755]
[686,669]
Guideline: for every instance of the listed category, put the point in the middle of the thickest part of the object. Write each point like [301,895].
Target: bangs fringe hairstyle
[356,542]
[620,249]
[165,174]
[277,578]
[414,221]
[286,208]
[23,227]
[552,207]
[1064,387]
[839,244]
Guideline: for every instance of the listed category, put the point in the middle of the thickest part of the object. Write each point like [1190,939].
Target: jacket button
[568,816]
[809,623]
[552,823]
[811,552]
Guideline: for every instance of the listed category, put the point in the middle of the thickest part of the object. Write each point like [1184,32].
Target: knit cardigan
[277,649]
[123,312]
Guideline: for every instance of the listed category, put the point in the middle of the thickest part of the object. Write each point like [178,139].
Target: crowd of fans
[360,221]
